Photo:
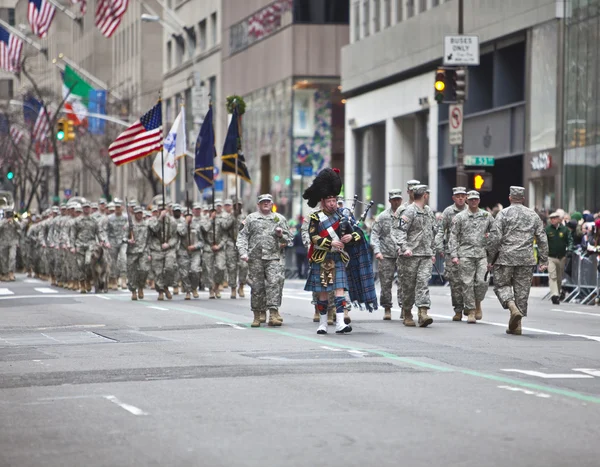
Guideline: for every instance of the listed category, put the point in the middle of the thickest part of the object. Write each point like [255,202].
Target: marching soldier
[459,196]
[136,237]
[10,234]
[213,259]
[85,234]
[176,213]
[162,241]
[467,250]
[242,266]
[510,253]
[187,237]
[114,234]
[194,248]
[386,252]
[261,243]
[415,245]
[231,255]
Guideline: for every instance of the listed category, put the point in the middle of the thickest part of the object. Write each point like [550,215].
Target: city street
[99,380]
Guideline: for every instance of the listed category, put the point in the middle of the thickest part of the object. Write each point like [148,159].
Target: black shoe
[562,296]
[555,299]
[345,330]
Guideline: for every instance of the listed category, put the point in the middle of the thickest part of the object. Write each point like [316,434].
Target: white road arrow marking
[235,326]
[45,290]
[130,408]
[589,371]
[6,292]
[543,395]
[539,374]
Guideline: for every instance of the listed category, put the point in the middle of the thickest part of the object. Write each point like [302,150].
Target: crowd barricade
[583,283]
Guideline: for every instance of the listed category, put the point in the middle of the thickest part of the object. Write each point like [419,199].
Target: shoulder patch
[403,221]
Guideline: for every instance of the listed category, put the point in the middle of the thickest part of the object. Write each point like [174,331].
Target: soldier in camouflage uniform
[136,238]
[196,255]
[176,213]
[85,235]
[459,196]
[194,248]
[416,246]
[10,234]
[242,266]
[115,225]
[225,222]
[190,243]
[510,252]
[231,254]
[386,252]
[69,268]
[213,259]
[261,243]
[163,241]
[467,250]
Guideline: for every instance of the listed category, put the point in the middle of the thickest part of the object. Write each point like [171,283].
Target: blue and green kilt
[313,283]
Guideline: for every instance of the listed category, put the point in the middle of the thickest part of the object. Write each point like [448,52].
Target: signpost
[461,50]
[455,131]
[480,161]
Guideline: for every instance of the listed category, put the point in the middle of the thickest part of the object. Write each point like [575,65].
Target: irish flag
[78,99]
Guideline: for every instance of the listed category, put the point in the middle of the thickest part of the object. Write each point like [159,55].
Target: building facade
[396,131]
[283,58]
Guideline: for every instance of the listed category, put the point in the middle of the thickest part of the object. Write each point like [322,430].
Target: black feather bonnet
[327,183]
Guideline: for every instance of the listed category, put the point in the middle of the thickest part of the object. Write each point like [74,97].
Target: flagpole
[35,45]
[67,12]
[162,165]
[236,172]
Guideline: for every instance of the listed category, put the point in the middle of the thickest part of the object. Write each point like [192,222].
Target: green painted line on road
[408,361]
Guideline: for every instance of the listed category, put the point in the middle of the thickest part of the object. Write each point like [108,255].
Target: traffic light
[482,181]
[276,178]
[61,129]
[10,174]
[69,131]
[460,84]
[440,85]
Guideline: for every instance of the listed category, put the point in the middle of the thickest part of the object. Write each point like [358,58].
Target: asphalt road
[91,380]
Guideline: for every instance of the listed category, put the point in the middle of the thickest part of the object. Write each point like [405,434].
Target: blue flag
[31,109]
[232,151]
[204,167]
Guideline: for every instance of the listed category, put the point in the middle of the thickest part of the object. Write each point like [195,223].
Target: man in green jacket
[559,243]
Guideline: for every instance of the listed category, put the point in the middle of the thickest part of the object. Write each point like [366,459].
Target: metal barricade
[584,280]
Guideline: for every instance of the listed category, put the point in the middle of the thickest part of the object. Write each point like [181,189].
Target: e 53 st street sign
[479,161]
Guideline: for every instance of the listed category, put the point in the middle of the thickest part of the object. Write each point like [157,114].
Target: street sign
[307,170]
[480,161]
[455,129]
[460,50]
[47,159]
[68,193]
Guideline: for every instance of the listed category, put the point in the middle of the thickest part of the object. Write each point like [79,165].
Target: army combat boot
[123,283]
[134,295]
[141,293]
[211,294]
[82,287]
[408,318]
[471,317]
[424,319]
[168,293]
[458,314]
[515,315]
[274,318]
[195,293]
[241,291]
[187,296]
[516,332]
[161,296]
[478,310]
[233,293]
[263,316]
[256,322]
[331,316]
[175,290]
[387,314]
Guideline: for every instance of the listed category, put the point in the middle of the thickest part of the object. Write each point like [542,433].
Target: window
[169,55]
[6,89]
[387,13]
[399,10]
[212,89]
[422,6]
[213,29]
[410,8]
[11,16]
[202,27]
[376,6]
[366,18]
[356,21]
[322,11]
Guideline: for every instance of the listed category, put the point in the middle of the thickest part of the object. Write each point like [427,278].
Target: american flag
[16,134]
[82,5]
[109,14]
[11,48]
[41,126]
[40,15]
[141,139]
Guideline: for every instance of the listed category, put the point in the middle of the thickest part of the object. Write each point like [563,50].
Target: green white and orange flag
[78,99]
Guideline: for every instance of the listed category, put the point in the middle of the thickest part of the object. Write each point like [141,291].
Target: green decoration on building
[239,101]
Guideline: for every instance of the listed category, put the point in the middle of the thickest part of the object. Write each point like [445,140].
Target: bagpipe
[348,223]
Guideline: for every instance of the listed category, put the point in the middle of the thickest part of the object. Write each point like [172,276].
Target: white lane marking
[573,312]
[33,281]
[231,324]
[588,371]
[158,308]
[333,349]
[6,292]
[45,290]
[103,297]
[130,408]
[50,337]
[542,375]
[19,297]
[72,326]
[543,395]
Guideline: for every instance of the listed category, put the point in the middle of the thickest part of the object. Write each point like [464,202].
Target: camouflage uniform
[263,247]
[84,236]
[468,241]
[189,235]
[511,251]
[228,224]
[213,262]
[163,262]
[10,234]
[382,242]
[417,234]
[115,224]
[442,239]
[242,266]
[137,255]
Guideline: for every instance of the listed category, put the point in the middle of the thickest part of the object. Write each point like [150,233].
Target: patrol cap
[394,194]
[228,202]
[137,209]
[117,202]
[111,206]
[218,202]
[101,201]
[154,208]
[420,189]
[205,207]
[554,214]
[54,209]
[517,192]
[132,203]
[473,194]
[147,214]
[459,190]
[176,207]
[411,184]
[78,207]
[85,204]
[197,206]
[94,205]
[209,207]
[265,197]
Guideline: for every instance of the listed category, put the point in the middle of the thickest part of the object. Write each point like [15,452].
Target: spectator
[301,254]
[560,243]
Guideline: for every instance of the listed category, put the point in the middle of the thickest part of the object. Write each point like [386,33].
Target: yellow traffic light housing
[69,131]
[478,181]
[440,85]
[61,127]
